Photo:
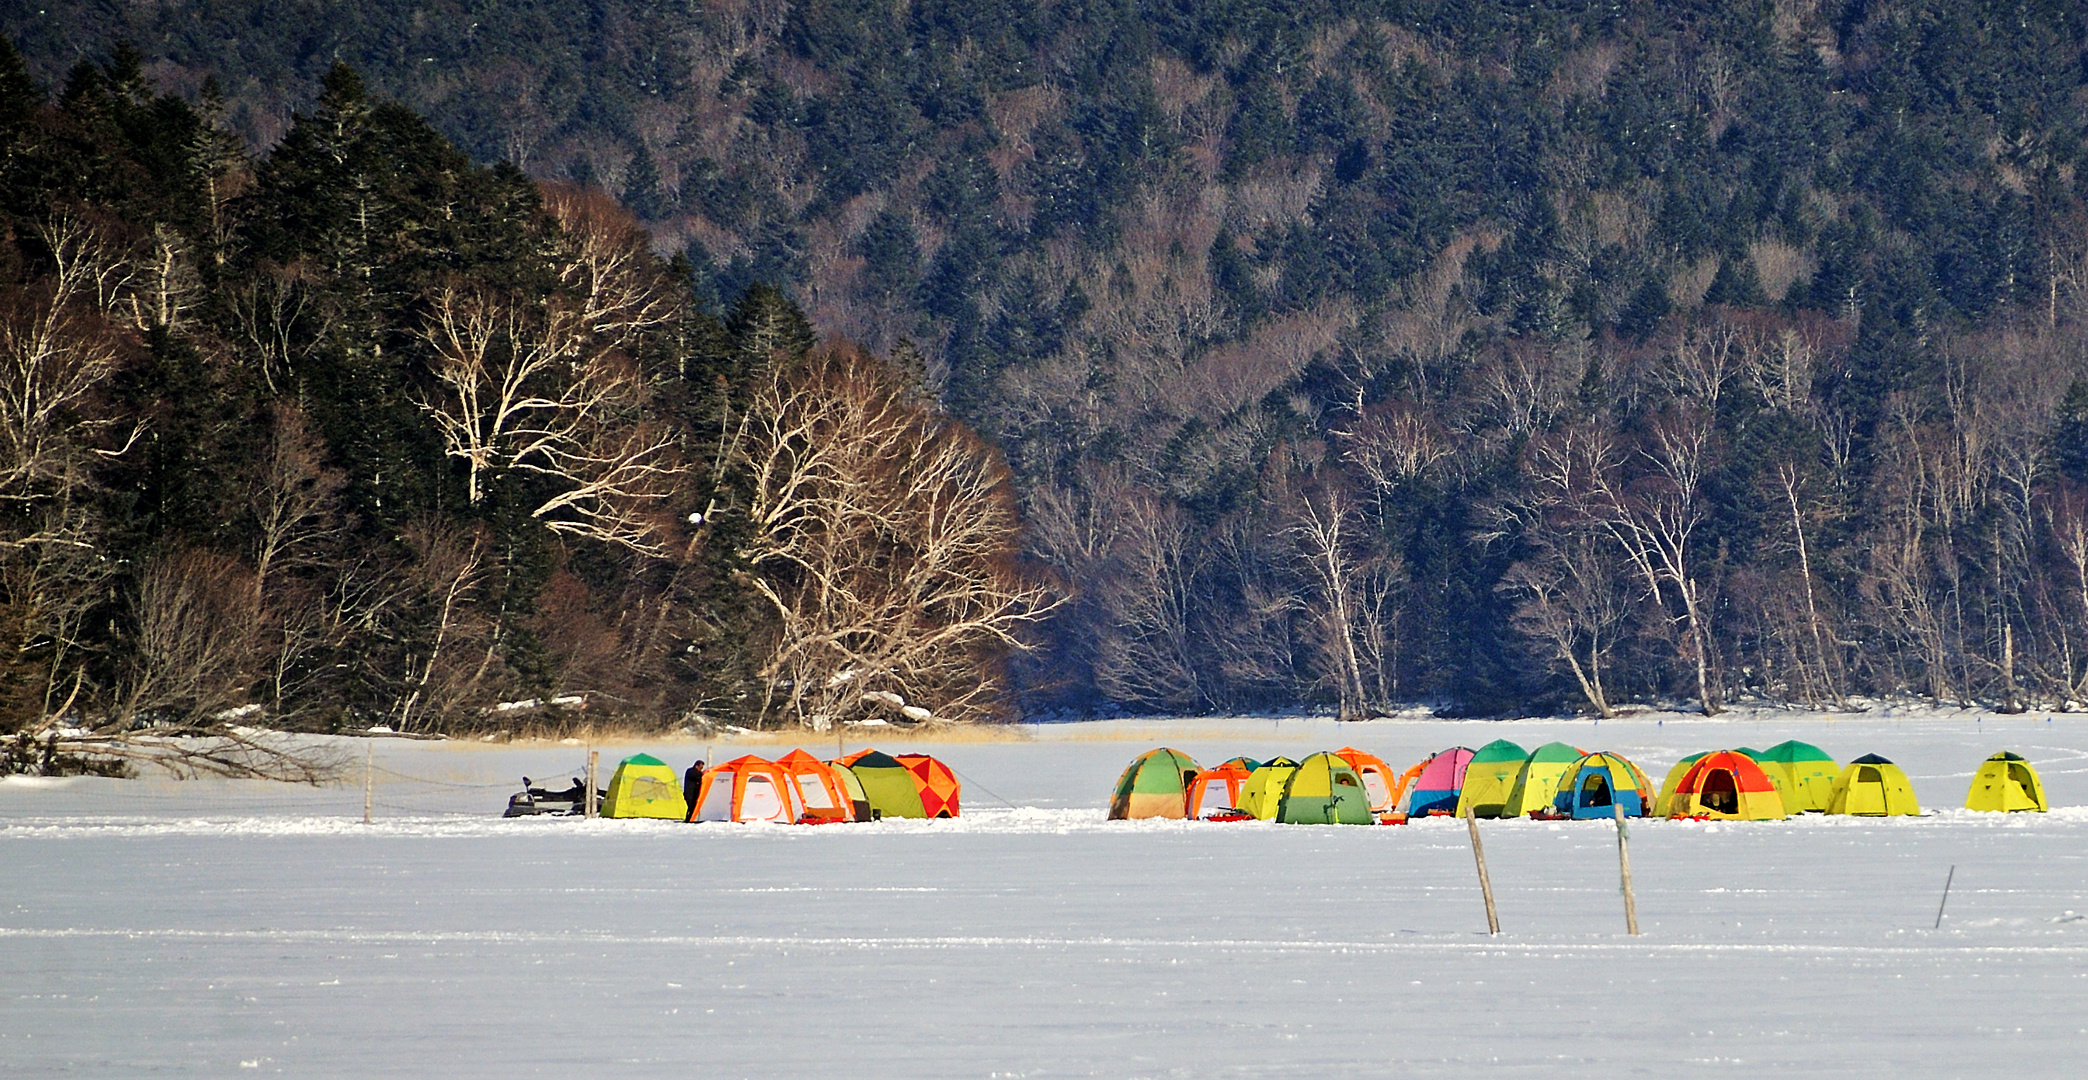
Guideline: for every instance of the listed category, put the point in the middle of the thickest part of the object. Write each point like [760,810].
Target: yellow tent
[1263,794]
[2006,782]
[1489,777]
[644,786]
[1803,775]
[1325,790]
[1538,779]
[1665,800]
[1873,787]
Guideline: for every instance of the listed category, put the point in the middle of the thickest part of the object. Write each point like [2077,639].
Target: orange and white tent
[1381,782]
[746,789]
[820,795]
[1219,787]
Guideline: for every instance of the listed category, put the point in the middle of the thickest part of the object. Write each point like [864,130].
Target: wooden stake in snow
[369,767]
[1946,897]
[594,761]
[1493,921]
[1624,864]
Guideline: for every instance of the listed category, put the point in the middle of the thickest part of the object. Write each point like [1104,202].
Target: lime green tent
[1489,777]
[1803,775]
[888,786]
[1154,785]
[1538,779]
[1262,795]
[645,787]
[2006,782]
[1324,790]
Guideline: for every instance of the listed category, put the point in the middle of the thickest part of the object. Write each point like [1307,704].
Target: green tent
[1803,775]
[1324,790]
[888,786]
[1155,784]
[1539,778]
[1489,777]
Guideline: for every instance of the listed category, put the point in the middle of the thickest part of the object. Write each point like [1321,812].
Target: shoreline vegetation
[1512,358]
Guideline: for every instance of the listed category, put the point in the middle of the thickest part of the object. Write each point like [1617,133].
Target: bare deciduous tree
[884,542]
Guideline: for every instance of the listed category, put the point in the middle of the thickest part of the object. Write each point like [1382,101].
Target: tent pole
[1624,864]
[1493,920]
[1946,897]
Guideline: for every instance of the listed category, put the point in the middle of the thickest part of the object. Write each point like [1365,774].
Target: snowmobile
[568,802]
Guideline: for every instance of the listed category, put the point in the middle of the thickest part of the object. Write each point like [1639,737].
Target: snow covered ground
[153,927]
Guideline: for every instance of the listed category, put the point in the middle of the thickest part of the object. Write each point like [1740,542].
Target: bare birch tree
[884,543]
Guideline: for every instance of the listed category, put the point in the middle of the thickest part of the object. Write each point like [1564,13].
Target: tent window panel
[813,793]
[717,802]
[762,802]
[1375,786]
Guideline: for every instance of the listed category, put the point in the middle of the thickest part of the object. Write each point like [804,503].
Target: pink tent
[1440,781]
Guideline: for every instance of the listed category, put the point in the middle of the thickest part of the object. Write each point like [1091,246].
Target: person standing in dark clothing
[692,784]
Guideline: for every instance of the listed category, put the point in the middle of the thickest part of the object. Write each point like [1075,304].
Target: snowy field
[150,927]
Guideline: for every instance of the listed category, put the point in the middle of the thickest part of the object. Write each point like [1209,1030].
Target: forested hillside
[1499,356]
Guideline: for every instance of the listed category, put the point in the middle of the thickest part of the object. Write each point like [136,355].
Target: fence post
[594,759]
[1493,921]
[1624,865]
[369,768]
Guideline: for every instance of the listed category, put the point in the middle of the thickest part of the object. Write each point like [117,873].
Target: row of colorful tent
[1555,781]
[1792,777]
[796,788]
[1334,787]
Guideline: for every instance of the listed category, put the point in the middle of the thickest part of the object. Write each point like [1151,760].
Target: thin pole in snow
[1946,897]
[1624,866]
[369,768]
[594,758]
[1493,921]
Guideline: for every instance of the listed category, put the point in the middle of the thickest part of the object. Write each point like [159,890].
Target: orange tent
[819,795]
[1381,782]
[939,786]
[1219,787]
[745,789]
[1726,784]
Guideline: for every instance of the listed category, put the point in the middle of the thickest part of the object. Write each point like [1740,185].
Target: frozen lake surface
[151,927]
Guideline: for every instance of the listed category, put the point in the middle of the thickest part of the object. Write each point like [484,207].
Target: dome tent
[1595,784]
[1155,785]
[645,787]
[820,795]
[1489,778]
[1871,786]
[2006,782]
[1803,775]
[1324,790]
[745,789]
[1538,779]
[1440,780]
[1380,781]
[1674,777]
[1263,793]
[936,783]
[1725,785]
[1219,789]
[888,786]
